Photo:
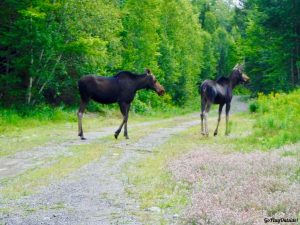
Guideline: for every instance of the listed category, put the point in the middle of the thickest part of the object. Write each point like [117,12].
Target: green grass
[13,119]
[151,182]
[23,138]
[19,118]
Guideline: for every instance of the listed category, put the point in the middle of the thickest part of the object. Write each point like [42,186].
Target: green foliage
[271,44]
[241,90]
[46,46]
[253,106]
[181,47]
[277,120]
[221,37]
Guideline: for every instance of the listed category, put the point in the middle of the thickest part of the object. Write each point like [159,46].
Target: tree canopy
[46,46]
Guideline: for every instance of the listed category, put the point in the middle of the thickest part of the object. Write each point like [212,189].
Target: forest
[245,171]
[46,46]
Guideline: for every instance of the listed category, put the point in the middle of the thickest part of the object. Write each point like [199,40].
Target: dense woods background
[46,46]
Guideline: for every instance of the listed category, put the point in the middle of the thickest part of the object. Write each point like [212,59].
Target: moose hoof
[215,134]
[204,134]
[82,138]
[116,135]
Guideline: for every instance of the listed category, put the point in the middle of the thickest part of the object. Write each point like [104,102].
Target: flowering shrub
[238,188]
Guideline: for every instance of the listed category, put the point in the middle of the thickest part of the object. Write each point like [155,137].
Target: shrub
[278,118]
[253,106]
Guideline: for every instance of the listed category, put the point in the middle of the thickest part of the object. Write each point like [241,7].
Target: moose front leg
[125,126]
[117,132]
[123,108]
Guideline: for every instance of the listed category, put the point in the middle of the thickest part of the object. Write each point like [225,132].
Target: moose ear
[148,71]
[236,67]
[239,67]
[242,66]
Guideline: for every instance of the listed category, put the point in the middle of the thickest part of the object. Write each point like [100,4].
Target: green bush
[278,119]
[253,106]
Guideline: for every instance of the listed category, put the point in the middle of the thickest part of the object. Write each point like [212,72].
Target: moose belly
[104,98]
[221,99]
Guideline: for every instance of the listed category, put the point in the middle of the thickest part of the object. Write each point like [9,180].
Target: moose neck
[141,82]
[234,80]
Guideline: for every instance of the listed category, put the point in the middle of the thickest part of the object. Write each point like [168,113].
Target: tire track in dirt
[95,194]
[45,155]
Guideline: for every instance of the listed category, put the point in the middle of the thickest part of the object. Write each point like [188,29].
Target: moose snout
[246,78]
[161,92]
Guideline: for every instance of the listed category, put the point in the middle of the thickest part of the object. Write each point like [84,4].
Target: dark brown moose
[219,92]
[120,88]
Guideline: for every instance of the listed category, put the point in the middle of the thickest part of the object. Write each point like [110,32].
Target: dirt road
[96,192]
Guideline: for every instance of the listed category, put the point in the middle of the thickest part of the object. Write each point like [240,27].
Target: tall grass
[146,103]
[277,119]
[16,118]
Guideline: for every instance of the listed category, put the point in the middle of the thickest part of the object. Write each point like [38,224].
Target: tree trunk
[29,92]
[51,74]
[292,70]
[295,50]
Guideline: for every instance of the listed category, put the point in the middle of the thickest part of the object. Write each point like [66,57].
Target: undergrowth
[277,120]
[22,117]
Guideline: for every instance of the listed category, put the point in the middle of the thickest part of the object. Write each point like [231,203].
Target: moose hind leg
[80,115]
[203,106]
[202,128]
[125,126]
[207,108]
[227,118]
[219,118]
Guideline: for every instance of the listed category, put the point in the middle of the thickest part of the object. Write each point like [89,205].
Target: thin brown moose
[120,88]
[219,92]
